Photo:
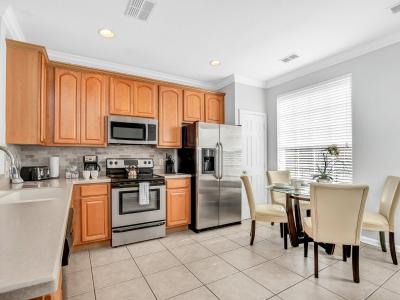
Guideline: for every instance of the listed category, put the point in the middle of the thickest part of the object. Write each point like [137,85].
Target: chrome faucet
[14,173]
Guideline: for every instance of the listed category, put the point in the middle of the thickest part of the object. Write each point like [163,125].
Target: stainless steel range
[138,208]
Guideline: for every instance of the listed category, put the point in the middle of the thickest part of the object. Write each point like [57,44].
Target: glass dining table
[295,224]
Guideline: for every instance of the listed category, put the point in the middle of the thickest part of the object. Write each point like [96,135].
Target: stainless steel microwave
[132,131]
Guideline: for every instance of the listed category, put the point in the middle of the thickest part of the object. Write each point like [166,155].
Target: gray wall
[376,123]
[229,102]
[250,98]
[242,96]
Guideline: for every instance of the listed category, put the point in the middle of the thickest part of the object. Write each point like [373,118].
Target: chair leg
[305,244]
[348,251]
[272,223]
[285,234]
[392,247]
[253,231]
[315,259]
[382,240]
[281,229]
[356,263]
[344,249]
[308,213]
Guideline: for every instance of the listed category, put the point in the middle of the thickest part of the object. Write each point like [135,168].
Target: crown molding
[13,28]
[249,81]
[224,82]
[126,69]
[335,59]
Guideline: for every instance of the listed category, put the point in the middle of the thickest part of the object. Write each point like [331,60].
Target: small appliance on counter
[169,164]
[34,173]
[90,163]
[54,166]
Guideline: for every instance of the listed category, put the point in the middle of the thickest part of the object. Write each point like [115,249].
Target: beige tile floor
[220,264]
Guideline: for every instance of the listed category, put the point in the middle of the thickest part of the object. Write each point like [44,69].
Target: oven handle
[137,227]
[151,187]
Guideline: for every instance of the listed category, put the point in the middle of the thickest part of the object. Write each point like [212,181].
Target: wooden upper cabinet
[214,108]
[93,109]
[145,100]
[193,106]
[121,96]
[169,117]
[25,93]
[67,103]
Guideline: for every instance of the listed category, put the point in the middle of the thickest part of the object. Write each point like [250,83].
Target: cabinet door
[94,213]
[193,106]
[145,100]
[121,97]
[67,106]
[170,117]
[93,107]
[23,88]
[214,106]
[43,99]
[178,207]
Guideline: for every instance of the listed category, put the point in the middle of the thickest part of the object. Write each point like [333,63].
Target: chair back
[337,212]
[390,200]
[250,195]
[278,177]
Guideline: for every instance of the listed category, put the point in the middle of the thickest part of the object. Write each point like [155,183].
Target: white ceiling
[182,36]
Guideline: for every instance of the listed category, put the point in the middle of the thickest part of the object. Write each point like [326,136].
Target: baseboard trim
[375,242]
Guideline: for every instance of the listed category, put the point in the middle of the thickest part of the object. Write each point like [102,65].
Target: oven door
[126,209]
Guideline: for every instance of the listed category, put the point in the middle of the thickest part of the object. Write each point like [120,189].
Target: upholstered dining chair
[283,176]
[384,220]
[264,212]
[336,218]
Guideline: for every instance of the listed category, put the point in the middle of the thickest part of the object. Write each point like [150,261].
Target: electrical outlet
[161,161]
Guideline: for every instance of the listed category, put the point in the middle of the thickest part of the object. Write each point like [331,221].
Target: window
[311,119]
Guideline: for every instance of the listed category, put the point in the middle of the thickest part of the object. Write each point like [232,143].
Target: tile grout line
[202,284]
[91,272]
[144,277]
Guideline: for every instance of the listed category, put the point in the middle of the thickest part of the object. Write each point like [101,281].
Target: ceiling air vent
[289,58]
[139,9]
[396,8]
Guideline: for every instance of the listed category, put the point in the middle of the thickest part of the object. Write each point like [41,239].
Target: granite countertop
[33,220]
[176,175]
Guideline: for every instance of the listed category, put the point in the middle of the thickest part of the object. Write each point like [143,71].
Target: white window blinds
[311,119]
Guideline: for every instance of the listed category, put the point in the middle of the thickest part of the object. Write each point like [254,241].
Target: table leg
[294,241]
[297,214]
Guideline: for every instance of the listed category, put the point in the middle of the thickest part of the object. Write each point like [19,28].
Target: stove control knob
[115,162]
[145,162]
[111,162]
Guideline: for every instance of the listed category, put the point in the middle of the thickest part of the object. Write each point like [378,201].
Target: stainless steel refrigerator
[212,153]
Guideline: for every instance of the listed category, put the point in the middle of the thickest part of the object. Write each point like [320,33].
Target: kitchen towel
[54,166]
[144,193]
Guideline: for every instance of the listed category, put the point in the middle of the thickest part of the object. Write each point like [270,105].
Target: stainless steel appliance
[90,163]
[134,131]
[34,173]
[212,153]
[131,220]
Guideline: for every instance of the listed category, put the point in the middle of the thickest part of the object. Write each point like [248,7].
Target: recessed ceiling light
[106,33]
[215,63]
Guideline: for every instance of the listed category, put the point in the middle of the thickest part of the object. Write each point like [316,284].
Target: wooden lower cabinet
[178,202]
[91,213]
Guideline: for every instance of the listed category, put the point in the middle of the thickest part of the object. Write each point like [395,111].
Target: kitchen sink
[30,195]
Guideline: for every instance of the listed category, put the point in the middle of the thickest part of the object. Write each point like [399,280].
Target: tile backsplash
[73,156]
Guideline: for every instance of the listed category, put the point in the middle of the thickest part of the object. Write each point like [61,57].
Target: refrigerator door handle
[221,161]
[216,164]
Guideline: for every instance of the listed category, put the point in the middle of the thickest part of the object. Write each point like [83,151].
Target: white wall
[376,122]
